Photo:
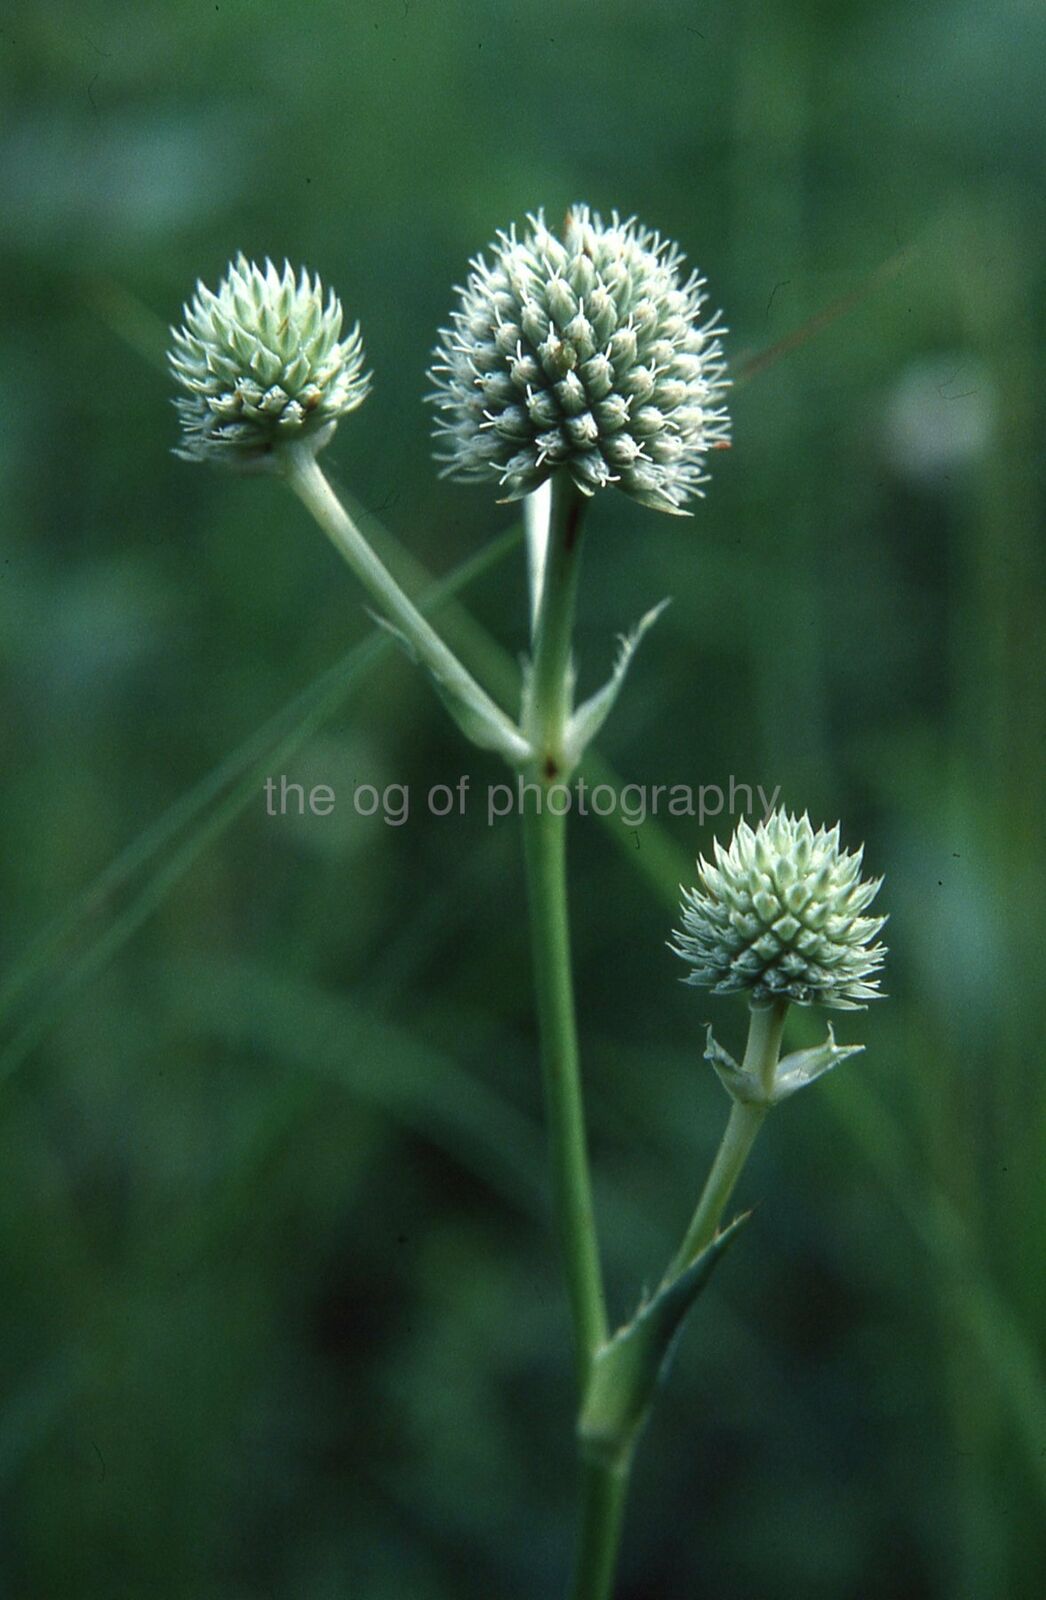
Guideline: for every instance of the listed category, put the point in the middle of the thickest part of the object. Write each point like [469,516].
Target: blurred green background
[280,1313]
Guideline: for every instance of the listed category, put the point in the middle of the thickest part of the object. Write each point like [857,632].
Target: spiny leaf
[803,1066]
[587,720]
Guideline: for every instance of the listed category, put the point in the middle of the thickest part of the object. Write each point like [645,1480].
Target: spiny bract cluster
[264,365]
[780,915]
[584,353]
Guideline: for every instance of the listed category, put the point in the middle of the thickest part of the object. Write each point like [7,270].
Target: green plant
[572,364]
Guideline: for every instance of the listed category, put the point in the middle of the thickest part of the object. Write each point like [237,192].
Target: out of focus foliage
[280,1315]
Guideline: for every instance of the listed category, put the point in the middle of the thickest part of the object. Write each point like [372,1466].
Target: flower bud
[780,915]
[263,365]
[602,316]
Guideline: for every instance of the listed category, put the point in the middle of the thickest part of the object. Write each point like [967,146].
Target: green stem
[550,687]
[765,1028]
[544,837]
[603,1493]
[308,482]
[545,842]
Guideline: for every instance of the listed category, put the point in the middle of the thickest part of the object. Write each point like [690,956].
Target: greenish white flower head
[589,353]
[263,364]
[780,915]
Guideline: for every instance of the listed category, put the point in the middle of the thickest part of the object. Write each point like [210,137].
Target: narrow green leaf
[627,1370]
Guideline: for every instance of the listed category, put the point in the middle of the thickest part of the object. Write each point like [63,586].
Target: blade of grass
[277,740]
[996,1331]
[384,1064]
[751,366]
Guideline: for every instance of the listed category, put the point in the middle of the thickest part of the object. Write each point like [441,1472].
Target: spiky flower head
[588,353]
[263,364]
[780,915]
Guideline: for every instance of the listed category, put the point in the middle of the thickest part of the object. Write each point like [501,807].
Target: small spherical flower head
[780,916]
[586,353]
[263,365]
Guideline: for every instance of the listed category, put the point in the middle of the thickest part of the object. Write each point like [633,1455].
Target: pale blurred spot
[940,416]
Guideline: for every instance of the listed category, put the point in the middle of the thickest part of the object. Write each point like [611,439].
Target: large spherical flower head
[263,364]
[586,353]
[780,915]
